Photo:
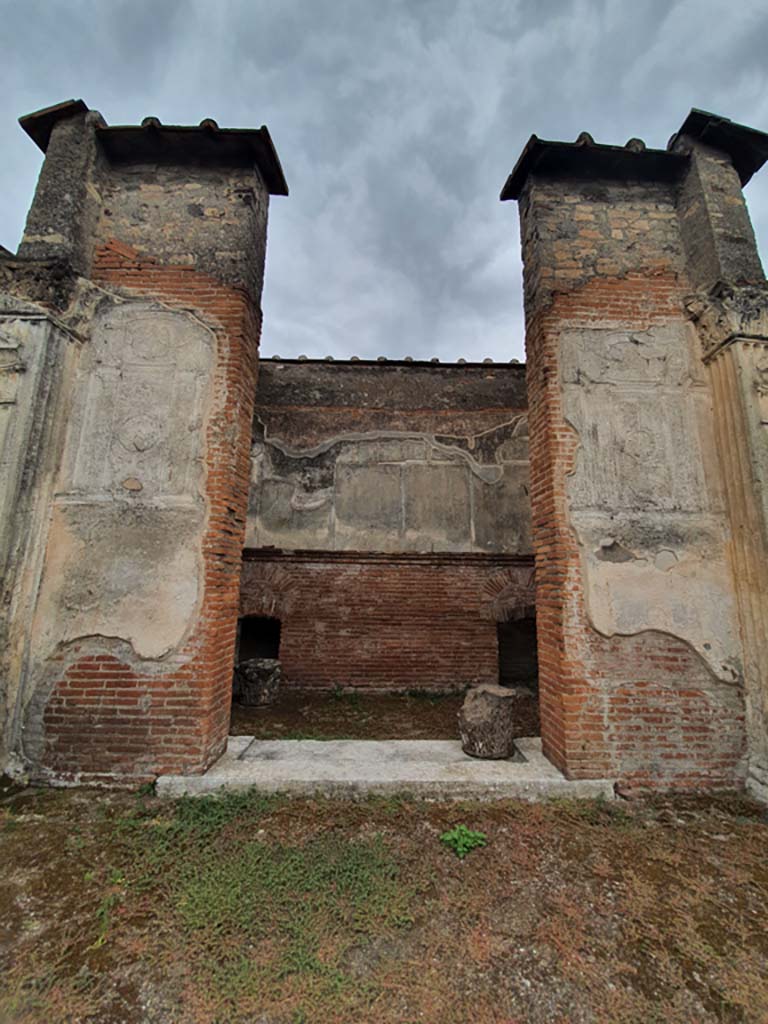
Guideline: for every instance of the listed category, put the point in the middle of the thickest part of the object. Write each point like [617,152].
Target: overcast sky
[397,122]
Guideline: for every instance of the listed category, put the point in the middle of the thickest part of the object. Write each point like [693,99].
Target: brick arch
[265,590]
[509,595]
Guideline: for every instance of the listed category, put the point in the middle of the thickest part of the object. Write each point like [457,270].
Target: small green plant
[463,840]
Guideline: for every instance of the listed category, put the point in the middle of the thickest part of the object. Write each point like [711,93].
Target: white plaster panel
[139,404]
[640,495]
[630,397]
[671,576]
[124,555]
[127,573]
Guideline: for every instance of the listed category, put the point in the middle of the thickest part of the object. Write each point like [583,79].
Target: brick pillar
[132,644]
[640,650]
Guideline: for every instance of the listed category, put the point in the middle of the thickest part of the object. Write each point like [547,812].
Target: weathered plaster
[129,496]
[36,357]
[738,370]
[62,219]
[393,491]
[657,560]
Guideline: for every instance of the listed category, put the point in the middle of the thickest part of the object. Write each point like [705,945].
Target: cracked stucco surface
[393,490]
[657,561]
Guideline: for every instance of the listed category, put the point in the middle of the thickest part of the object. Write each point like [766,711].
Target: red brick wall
[387,622]
[109,717]
[643,708]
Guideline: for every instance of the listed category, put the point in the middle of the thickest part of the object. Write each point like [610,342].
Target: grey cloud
[396,124]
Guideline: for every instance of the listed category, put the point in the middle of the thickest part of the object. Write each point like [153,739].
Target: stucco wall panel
[130,494]
[657,560]
[36,363]
[102,576]
[390,457]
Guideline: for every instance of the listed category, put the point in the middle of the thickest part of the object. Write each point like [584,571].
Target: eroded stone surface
[257,681]
[486,720]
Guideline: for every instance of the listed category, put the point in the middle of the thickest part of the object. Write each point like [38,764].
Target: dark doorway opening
[518,663]
[257,637]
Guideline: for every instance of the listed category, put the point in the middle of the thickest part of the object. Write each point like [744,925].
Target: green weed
[253,913]
[463,840]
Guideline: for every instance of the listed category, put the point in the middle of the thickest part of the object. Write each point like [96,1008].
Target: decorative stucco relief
[393,491]
[657,560]
[130,490]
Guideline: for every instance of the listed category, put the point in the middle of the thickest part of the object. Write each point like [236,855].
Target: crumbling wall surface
[730,311]
[640,661]
[211,218]
[129,525]
[36,357]
[390,457]
[386,622]
[652,538]
[62,219]
[124,665]
[130,492]
[136,621]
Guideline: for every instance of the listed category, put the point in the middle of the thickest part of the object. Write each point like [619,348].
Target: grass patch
[259,919]
[250,908]
[298,908]
[599,812]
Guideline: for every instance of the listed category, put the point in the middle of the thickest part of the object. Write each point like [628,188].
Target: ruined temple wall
[384,622]
[390,457]
[388,509]
[126,641]
[136,619]
[640,657]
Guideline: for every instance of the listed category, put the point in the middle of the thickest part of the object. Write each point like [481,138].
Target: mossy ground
[123,908]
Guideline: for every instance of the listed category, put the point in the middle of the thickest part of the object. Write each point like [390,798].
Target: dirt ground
[331,715]
[122,909]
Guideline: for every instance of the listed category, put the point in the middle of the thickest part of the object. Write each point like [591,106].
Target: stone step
[437,769]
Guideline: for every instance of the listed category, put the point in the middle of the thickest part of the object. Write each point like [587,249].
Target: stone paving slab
[438,769]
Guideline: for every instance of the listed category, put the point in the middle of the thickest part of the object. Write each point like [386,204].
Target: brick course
[381,622]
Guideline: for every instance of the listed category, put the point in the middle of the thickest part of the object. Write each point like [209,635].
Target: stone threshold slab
[437,769]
